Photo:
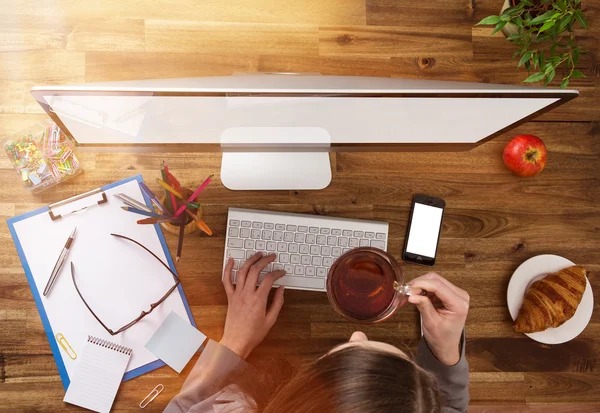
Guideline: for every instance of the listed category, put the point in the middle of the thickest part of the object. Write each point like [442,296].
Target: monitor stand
[275,170]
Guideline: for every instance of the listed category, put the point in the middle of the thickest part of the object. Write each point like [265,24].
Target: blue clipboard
[38,300]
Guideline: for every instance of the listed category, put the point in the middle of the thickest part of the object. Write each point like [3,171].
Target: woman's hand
[442,324]
[248,320]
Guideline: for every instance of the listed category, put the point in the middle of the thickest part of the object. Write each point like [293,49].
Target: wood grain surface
[494,220]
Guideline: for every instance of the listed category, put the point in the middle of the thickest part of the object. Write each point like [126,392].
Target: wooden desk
[494,220]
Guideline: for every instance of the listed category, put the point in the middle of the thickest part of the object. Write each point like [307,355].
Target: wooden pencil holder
[190,225]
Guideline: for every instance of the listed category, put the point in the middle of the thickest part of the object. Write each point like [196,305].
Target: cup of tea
[366,285]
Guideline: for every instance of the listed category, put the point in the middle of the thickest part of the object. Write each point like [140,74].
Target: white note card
[175,342]
[98,375]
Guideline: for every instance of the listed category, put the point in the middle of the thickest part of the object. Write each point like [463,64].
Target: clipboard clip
[77,203]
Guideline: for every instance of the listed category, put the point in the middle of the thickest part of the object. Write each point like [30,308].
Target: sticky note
[175,342]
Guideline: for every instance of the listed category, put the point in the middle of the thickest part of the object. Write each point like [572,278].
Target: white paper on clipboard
[118,278]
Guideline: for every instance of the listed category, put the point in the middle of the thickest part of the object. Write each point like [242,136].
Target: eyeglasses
[144,313]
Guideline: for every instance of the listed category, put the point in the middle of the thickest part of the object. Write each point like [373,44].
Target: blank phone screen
[424,230]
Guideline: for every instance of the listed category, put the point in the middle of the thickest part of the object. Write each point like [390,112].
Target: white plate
[534,269]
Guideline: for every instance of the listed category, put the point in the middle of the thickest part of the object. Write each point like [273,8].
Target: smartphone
[424,226]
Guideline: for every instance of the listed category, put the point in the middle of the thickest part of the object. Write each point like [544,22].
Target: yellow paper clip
[152,395]
[66,346]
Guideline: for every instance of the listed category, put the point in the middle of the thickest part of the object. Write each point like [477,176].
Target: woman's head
[358,376]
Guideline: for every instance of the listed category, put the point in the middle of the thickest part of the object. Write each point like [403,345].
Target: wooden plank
[498,387]
[562,387]
[421,15]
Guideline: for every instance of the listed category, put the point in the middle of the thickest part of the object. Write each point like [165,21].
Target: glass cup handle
[405,289]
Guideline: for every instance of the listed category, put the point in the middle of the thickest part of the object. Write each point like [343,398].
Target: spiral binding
[109,345]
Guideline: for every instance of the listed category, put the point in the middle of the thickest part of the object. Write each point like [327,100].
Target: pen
[173,200]
[139,211]
[153,198]
[201,224]
[194,195]
[132,202]
[59,262]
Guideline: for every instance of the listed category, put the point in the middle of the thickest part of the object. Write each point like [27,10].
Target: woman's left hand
[248,321]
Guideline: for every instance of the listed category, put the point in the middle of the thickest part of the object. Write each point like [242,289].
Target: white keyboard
[306,245]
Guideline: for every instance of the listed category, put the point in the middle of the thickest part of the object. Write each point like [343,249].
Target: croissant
[551,301]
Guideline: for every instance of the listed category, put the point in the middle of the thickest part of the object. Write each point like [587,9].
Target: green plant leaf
[564,22]
[577,74]
[547,25]
[498,27]
[541,60]
[562,4]
[549,77]
[513,37]
[564,83]
[576,55]
[526,3]
[489,20]
[542,18]
[518,21]
[528,66]
[536,77]
[581,18]
[525,58]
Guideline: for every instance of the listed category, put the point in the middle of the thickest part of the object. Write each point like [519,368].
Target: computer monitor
[276,130]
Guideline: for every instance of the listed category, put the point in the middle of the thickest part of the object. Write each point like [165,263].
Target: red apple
[525,155]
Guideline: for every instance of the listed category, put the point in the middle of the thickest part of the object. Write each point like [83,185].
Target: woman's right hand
[442,325]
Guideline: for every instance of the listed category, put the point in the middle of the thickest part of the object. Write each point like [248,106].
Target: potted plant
[543,30]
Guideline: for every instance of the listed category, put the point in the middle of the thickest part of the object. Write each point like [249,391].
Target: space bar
[301,282]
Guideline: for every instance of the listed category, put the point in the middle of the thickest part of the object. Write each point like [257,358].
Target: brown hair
[350,380]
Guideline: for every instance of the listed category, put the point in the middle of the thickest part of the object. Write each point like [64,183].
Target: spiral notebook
[98,376]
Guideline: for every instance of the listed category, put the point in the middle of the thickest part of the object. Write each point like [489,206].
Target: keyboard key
[321,272]
[311,238]
[250,253]
[315,250]
[305,260]
[288,237]
[269,225]
[237,264]
[257,225]
[233,276]
[343,242]
[325,231]
[277,236]
[325,250]
[321,239]
[234,222]
[347,233]
[299,270]
[353,242]
[302,228]
[317,261]
[317,284]
[267,235]
[313,230]
[364,243]
[271,246]
[234,232]
[336,231]
[380,235]
[336,251]
[295,259]
[327,261]
[281,247]
[246,224]
[284,258]
[331,241]
[304,249]
[235,242]
[249,244]
[378,244]
[277,267]
[289,268]
[245,233]
[291,228]
[310,271]
[299,237]
[261,245]
[359,234]
[237,254]
[293,248]
[280,227]
[256,233]
[267,269]
[369,235]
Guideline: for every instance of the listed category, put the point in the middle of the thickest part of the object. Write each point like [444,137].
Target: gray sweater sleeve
[452,380]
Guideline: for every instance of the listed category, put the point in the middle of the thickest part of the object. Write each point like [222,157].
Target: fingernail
[258,253]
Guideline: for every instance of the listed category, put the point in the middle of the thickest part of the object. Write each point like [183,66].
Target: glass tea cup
[366,285]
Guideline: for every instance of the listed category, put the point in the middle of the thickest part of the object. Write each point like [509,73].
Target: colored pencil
[173,181]
[201,224]
[132,202]
[147,221]
[180,243]
[168,203]
[173,200]
[169,188]
[139,211]
[153,198]
[194,195]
